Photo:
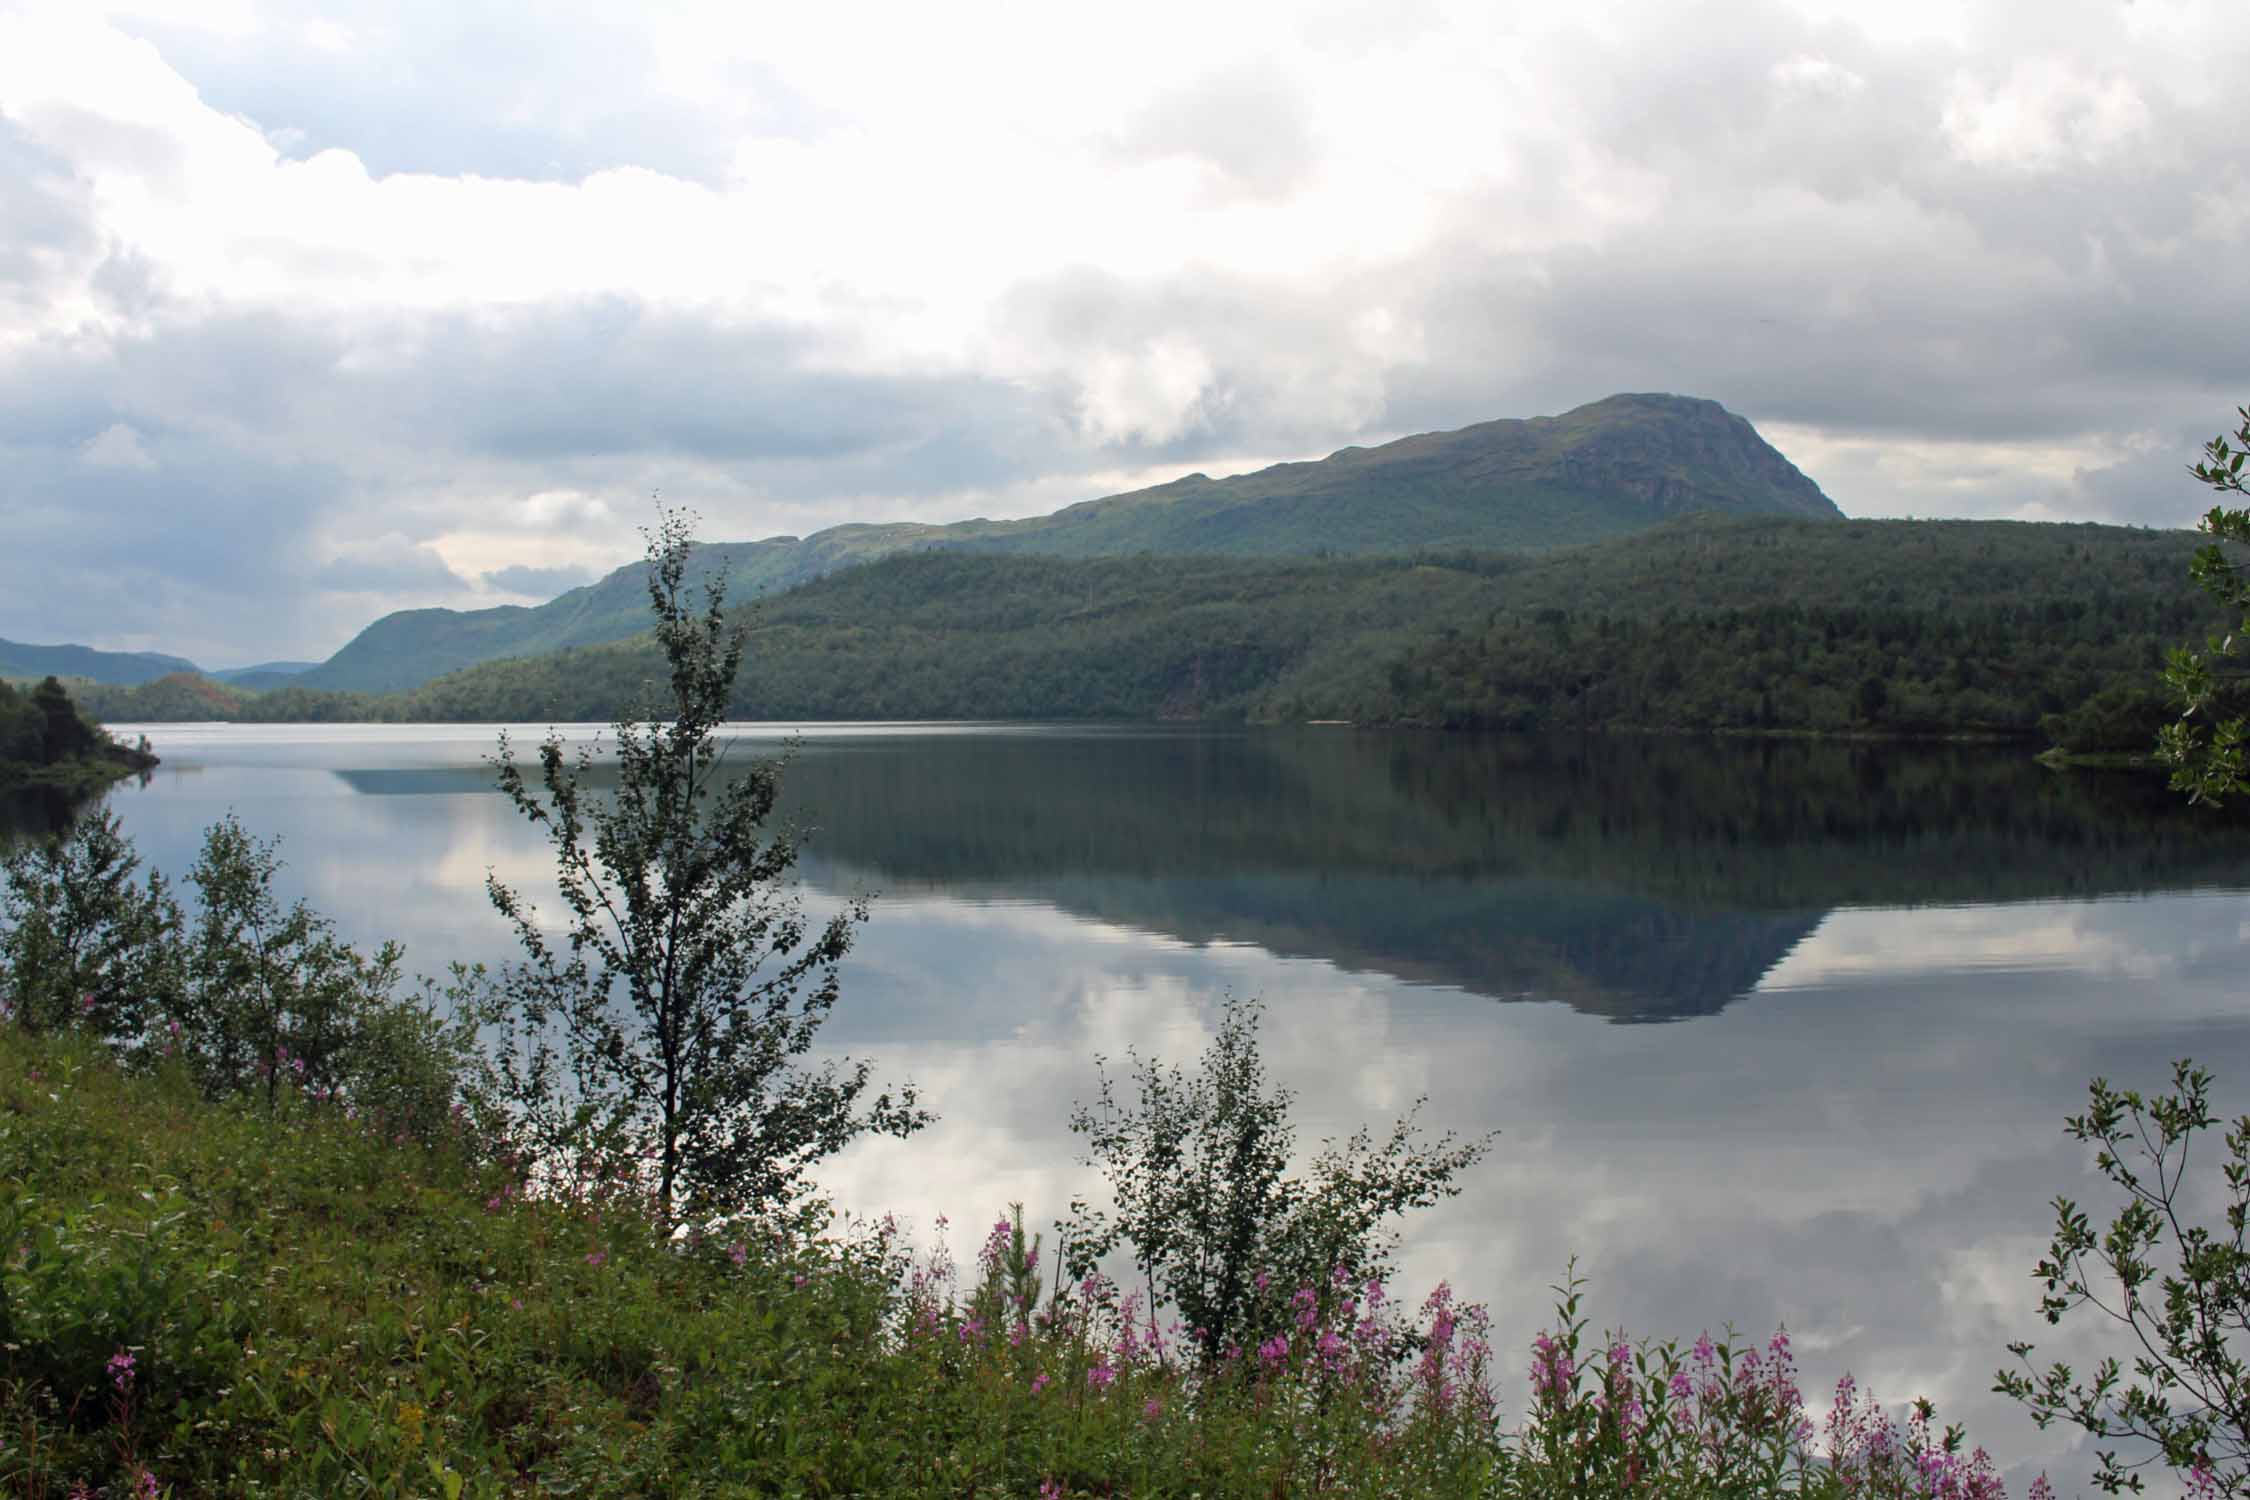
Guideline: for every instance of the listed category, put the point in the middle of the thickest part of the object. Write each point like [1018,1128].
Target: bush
[82,942]
[1199,1169]
[243,994]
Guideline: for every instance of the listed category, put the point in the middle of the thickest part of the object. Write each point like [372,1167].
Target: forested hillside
[1606,469]
[1888,627]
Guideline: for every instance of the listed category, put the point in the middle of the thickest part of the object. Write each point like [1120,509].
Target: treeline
[44,739]
[1770,626]
[1981,669]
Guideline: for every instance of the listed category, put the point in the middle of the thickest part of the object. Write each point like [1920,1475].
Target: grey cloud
[198,555]
[543,583]
[48,213]
[268,435]
[1810,250]
[390,568]
[1247,122]
[477,88]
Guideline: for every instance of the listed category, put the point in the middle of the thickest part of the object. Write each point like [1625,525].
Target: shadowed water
[1888,973]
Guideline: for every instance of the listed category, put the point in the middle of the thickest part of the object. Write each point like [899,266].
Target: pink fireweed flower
[1307,1304]
[1274,1350]
[1050,1489]
[972,1330]
[1152,1409]
[1038,1382]
[120,1369]
[1551,1369]
[1438,1350]
[1100,1376]
[1128,1330]
[995,1249]
[596,1257]
[738,1253]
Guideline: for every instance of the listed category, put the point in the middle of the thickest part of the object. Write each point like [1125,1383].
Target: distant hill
[180,698]
[263,668]
[263,677]
[1615,466]
[123,668]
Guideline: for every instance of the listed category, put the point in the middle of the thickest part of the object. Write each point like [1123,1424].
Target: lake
[1772,1032]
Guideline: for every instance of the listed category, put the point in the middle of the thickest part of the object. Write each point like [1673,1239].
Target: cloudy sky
[311,311]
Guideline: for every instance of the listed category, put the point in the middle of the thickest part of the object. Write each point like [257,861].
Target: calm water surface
[1772,1033]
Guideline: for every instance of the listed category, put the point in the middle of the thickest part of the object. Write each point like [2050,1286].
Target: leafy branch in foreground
[2209,766]
[2180,1288]
[670,1024]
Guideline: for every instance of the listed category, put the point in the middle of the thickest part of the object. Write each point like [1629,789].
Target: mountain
[123,668]
[275,669]
[1614,466]
[264,676]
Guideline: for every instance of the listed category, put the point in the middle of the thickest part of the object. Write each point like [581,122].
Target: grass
[310,1308]
[211,1299]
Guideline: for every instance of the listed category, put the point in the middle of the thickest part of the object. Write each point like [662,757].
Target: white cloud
[116,446]
[2043,113]
[810,266]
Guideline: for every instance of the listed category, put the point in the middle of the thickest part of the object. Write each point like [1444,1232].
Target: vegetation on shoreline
[1893,628]
[205,1298]
[45,742]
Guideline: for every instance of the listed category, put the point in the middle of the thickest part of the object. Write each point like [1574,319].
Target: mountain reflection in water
[1639,879]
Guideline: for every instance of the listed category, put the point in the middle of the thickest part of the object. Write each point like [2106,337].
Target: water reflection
[1635,879]
[1900,967]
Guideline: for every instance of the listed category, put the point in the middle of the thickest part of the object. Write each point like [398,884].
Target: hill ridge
[1599,470]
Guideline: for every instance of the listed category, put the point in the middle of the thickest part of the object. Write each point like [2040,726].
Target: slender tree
[669,1025]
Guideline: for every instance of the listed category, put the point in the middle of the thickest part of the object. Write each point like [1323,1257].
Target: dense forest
[1762,625]
[44,740]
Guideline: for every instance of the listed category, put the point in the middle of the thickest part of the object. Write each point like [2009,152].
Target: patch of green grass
[310,1309]
[215,1299]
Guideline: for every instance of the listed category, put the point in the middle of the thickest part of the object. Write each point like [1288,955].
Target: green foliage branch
[2207,762]
[83,943]
[2181,1289]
